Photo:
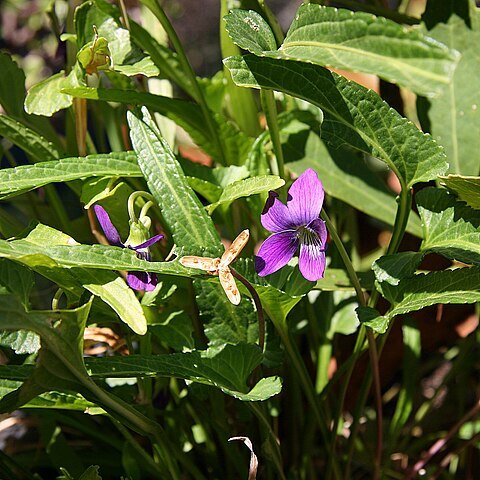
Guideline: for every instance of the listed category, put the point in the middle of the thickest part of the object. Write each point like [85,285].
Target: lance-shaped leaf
[353,115]
[49,252]
[467,189]
[27,177]
[192,229]
[353,41]
[227,369]
[31,142]
[454,115]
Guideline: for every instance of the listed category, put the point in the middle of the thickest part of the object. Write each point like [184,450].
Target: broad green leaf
[344,319]
[348,178]
[174,328]
[28,140]
[393,268]
[17,280]
[22,342]
[27,177]
[246,188]
[250,31]
[451,228]
[450,286]
[225,323]
[12,86]
[467,189]
[455,114]
[372,319]
[45,98]
[192,229]
[353,41]
[352,114]
[227,369]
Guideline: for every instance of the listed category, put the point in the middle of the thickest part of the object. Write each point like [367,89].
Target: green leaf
[227,369]
[76,256]
[126,57]
[28,140]
[22,342]
[348,178]
[467,189]
[192,229]
[225,323]
[12,86]
[246,188]
[393,268]
[338,279]
[175,329]
[26,177]
[186,114]
[250,31]
[352,114]
[451,228]
[37,250]
[450,286]
[372,319]
[45,98]
[353,41]
[64,401]
[16,279]
[455,114]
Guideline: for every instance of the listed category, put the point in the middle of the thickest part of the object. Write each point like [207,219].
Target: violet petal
[305,198]
[275,216]
[148,243]
[312,253]
[142,281]
[275,252]
[107,226]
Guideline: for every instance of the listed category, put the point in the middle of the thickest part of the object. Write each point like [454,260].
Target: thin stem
[308,389]
[258,306]
[345,258]
[439,444]
[372,348]
[149,462]
[125,18]
[131,204]
[157,10]
[272,438]
[268,104]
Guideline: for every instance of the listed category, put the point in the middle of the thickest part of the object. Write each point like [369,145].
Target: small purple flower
[138,232]
[294,225]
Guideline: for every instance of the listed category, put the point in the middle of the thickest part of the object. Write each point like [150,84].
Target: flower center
[308,236]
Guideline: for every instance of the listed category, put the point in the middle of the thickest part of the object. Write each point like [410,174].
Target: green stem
[197,93]
[308,389]
[270,109]
[345,258]
[272,439]
[150,464]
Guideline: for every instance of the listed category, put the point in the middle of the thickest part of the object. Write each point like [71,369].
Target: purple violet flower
[138,232]
[294,225]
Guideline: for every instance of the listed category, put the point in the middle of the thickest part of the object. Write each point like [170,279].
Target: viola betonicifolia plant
[165,281]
